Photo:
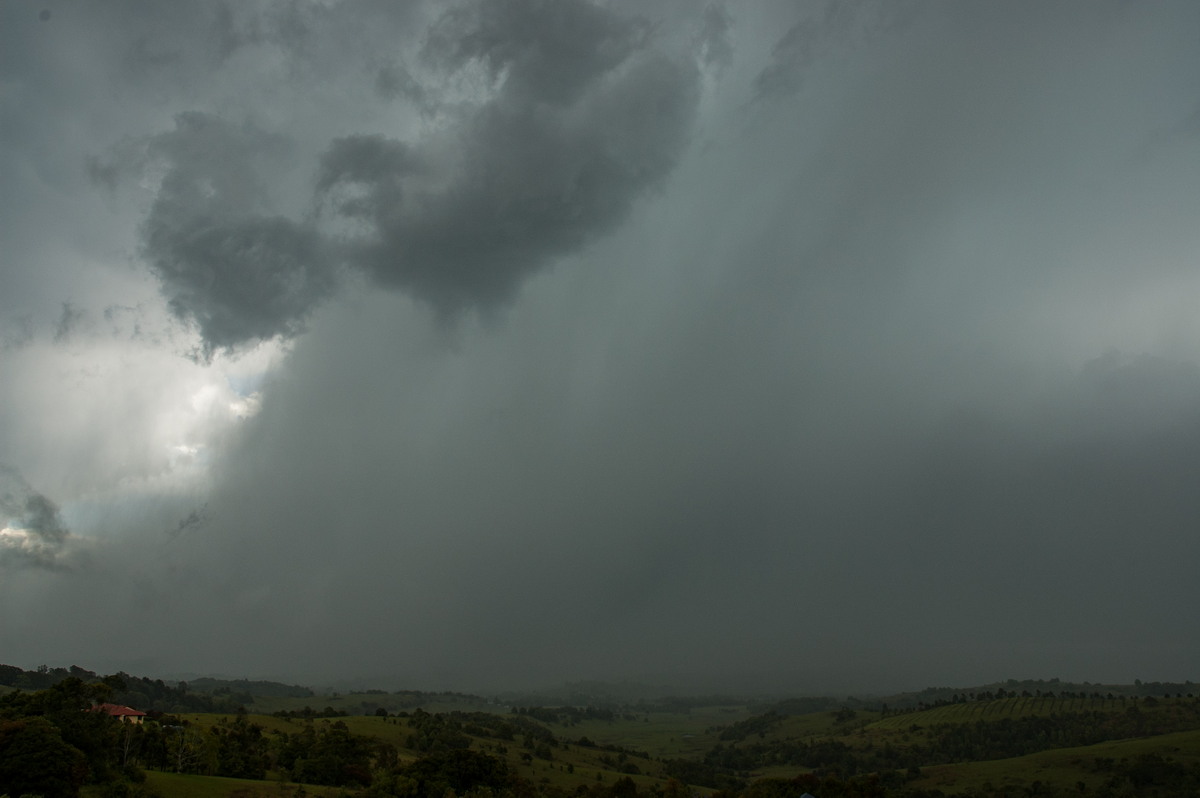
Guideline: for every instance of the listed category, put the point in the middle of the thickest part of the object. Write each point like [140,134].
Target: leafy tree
[460,770]
[35,760]
[65,705]
[241,749]
[331,755]
[187,749]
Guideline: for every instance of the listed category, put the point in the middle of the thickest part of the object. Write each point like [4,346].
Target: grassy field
[1061,767]
[570,765]
[185,786]
[660,734]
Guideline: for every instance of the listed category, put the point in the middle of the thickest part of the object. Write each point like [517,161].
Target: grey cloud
[586,115]
[394,81]
[549,52]
[462,218]
[35,535]
[239,273]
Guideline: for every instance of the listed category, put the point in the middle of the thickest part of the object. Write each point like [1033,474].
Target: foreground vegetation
[221,738]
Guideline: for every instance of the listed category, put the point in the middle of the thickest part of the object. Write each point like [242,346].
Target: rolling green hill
[981,743]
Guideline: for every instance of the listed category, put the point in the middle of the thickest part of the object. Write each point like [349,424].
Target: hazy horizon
[833,346]
[628,689]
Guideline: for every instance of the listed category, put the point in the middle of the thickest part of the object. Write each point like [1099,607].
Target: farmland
[987,742]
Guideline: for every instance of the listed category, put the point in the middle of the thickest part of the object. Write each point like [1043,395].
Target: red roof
[118,711]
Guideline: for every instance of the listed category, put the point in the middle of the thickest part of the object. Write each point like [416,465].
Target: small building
[123,714]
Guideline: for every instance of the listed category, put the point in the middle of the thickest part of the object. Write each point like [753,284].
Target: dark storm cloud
[34,534]
[584,111]
[586,119]
[548,52]
[225,263]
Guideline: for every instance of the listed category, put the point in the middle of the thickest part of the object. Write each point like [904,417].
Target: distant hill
[249,687]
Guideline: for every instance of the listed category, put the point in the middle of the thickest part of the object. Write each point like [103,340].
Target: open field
[570,764]
[660,734]
[189,786]
[1062,767]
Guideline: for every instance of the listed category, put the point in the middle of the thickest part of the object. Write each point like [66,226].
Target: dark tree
[34,760]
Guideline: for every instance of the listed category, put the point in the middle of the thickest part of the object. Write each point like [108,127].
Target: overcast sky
[766,346]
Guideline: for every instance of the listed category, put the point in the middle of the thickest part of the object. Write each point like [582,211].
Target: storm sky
[791,346]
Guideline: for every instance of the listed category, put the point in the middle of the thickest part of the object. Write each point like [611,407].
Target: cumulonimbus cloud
[223,260]
[582,111]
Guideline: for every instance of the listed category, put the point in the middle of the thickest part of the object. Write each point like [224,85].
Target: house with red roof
[123,714]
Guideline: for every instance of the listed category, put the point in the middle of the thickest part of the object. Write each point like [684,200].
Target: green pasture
[659,734]
[1061,767]
[186,786]
[690,735]
[818,724]
[570,766]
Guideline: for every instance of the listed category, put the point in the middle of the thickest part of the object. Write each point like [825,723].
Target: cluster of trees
[51,744]
[308,713]
[457,772]
[436,732]
[939,696]
[143,693]
[1065,697]
[328,753]
[759,724]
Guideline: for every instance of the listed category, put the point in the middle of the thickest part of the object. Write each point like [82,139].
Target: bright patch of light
[10,536]
[246,407]
[22,540]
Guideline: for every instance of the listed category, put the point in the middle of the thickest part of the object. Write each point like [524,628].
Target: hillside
[985,741]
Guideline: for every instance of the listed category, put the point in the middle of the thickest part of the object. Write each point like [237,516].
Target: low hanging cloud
[462,223]
[32,534]
[238,272]
[572,113]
